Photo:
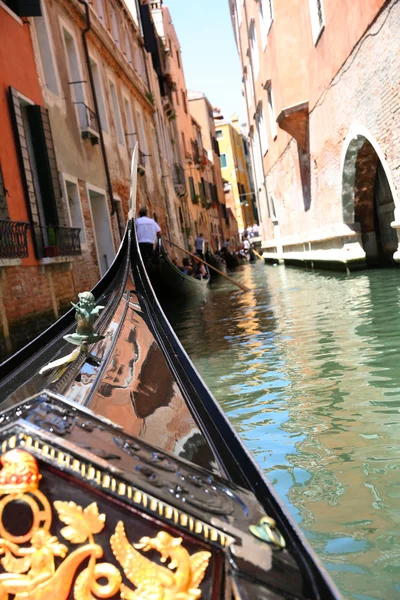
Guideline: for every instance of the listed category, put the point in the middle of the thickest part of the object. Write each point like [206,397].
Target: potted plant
[51,249]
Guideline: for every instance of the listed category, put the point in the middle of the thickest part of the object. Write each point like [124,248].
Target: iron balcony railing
[87,117]
[13,239]
[60,241]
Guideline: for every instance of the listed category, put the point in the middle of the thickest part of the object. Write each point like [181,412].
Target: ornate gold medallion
[29,559]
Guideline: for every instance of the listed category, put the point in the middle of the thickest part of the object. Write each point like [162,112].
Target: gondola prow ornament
[86,314]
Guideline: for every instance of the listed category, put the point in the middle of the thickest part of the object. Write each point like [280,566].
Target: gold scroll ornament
[29,559]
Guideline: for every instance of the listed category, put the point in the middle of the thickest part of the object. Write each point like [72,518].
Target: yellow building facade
[234,171]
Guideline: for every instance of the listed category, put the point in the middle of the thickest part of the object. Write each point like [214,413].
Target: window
[100,9]
[271,114]
[220,134]
[192,189]
[39,170]
[317,19]
[24,8]
[128,49]
[254,48]
[101,228]
[117,114]
[99,94]
[131,136]
[133,9]
[46,54]
[177,97]
[142,135]
[178,58]
[238,12]
[184,101]
[120,215]
[266,18]
[75,77]
[183,142]
[156,154]
[114,26]
[139,62]
[73,203]
[262,130]
[223,161]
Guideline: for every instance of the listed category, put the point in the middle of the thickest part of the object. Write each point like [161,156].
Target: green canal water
[307,368]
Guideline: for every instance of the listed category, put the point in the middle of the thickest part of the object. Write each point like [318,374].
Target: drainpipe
[96,105]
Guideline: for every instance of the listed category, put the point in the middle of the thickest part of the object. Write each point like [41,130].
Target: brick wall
[363,97]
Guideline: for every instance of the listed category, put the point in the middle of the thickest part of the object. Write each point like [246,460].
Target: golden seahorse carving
[31,572]
[155,582]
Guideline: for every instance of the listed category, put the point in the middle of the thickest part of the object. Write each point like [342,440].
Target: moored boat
[117,461]
[169,281]
[216,262]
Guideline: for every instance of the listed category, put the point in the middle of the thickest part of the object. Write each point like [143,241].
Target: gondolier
[147,232]
[199,244]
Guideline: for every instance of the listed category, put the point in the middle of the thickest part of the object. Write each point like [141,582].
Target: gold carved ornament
[29,559]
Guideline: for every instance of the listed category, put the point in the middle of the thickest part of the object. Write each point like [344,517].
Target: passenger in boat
[186,267]
[199,245]
[147,231]
[200,271]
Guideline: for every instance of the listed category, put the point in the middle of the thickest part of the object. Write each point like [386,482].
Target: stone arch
[369,198]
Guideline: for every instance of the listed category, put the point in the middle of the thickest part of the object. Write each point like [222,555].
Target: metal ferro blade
[133,184]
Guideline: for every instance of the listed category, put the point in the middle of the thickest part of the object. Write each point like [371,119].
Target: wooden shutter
[46,167]
[26,171]
[3,198]
[25,8]
[46,163]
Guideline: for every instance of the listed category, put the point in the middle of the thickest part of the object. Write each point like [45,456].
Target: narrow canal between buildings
[307,368]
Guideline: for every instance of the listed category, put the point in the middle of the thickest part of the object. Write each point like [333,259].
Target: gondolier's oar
[258,255]
[239,285]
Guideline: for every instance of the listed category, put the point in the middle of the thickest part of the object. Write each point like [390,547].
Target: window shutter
[46,163]
[26,170]
[3,198]
[25,8]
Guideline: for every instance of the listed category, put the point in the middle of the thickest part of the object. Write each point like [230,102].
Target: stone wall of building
[360,105]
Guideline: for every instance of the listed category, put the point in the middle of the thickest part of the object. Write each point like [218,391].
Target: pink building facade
[320,87]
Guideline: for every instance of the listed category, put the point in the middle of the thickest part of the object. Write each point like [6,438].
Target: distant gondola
[169,281]
[216,262]
[120,457]
[230,259]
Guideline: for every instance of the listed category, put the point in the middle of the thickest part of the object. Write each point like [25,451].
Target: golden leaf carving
[81,523]
[180,580]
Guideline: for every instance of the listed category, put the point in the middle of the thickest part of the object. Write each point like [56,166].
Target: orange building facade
[321,103]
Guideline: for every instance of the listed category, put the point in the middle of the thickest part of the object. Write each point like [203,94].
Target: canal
[307,368]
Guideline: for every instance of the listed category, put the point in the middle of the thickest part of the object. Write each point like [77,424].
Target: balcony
[178,177]
[195,153]
[13,239]
[58,241]
[89,123]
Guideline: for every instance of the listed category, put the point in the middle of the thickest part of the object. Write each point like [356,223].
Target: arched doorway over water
[368,198]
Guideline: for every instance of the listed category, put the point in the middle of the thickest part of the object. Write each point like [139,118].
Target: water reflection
[307,367]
